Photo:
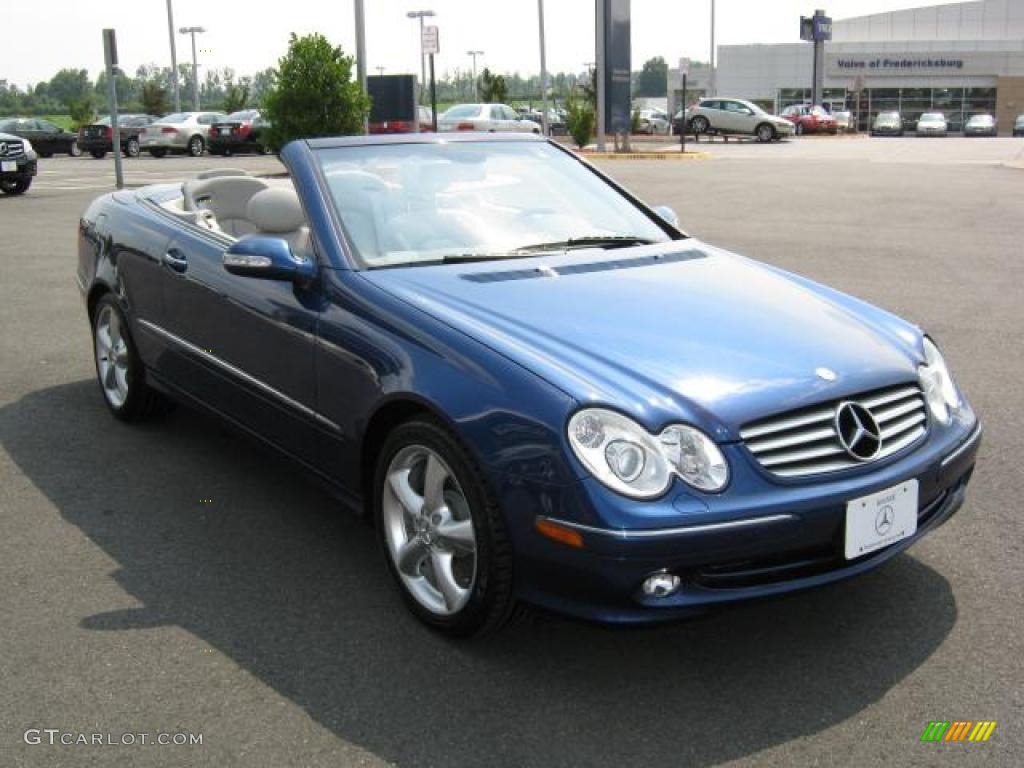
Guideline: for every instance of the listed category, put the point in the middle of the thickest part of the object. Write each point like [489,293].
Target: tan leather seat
[228,198]
[277,211]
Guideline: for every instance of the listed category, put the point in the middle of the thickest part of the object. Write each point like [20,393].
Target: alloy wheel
[112,357]
[428,528]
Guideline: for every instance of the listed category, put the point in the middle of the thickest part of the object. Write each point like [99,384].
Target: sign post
[431,45]
[817,29]
[684,70]
[110,57]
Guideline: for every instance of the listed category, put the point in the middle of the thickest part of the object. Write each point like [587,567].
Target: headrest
[275,211]
[216,172]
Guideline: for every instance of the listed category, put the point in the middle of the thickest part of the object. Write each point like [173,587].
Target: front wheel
[119,369]
[444,538]
[99,154]
[799,130]
[699,124]
[765,133]
[15,186]
[131,148]
[196,145]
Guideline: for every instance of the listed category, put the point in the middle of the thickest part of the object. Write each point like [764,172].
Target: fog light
[661,584]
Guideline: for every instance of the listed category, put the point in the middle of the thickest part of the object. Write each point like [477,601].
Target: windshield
[982,119]
[245,114]
[177,117]
[407,204]
[463,110]
[932,117]
[888,115]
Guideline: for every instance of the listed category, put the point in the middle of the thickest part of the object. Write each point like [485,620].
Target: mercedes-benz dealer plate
[881,519]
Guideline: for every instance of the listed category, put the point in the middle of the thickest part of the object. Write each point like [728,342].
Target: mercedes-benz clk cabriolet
[538,389]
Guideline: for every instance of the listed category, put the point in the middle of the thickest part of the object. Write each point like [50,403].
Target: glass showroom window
[949,101]
[979,101]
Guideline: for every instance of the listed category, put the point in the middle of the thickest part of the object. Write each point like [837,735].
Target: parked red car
[808,119]
[406,126]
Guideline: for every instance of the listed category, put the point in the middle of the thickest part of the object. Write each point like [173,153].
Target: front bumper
[24,168]
[726,549]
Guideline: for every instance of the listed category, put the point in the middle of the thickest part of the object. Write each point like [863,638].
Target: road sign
[430,41]
[684,67]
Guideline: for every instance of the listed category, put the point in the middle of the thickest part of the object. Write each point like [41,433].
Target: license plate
[8,166]
[225,131]
[881,519]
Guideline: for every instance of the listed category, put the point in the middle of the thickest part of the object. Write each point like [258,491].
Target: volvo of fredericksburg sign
[899,63]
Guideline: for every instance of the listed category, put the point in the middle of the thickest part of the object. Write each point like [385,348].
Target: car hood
[669,332]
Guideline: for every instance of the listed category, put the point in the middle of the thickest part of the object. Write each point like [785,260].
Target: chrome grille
[10,148]
[805,442]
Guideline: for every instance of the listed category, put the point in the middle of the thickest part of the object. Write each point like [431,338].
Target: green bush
[82,111]
[314,93]
[579,120]
[634,121]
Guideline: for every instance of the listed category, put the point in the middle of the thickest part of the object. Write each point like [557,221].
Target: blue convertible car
[538,388]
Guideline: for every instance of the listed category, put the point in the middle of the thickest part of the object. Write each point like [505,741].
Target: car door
[495,118]
[244,346]
[55,137]
[712,110]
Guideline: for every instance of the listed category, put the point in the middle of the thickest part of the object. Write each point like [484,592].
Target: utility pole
[423,62]
[543,71]
[476,87]
[174,58]
[195,62]
[713,84]
[599,72]
[361,54]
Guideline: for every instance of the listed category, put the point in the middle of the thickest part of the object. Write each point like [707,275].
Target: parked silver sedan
[485,117]
[736,116]
[932,124]
[180,132]
[980,125]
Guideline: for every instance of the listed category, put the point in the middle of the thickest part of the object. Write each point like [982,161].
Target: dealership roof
[975,21]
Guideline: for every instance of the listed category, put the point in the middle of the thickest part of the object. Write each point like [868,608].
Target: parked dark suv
[98,139]
[17,164]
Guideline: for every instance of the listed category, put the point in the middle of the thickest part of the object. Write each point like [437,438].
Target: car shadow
[218,536]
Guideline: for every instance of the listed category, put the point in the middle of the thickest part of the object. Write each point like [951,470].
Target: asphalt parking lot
[176,578]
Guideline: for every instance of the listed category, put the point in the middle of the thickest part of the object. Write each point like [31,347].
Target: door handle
[176,260]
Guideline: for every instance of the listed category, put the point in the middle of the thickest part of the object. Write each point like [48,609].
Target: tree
[492,88]
[314,93]
[579,120]
[653,79]
[83,110]
[69,85]
[236,95]
[154,98]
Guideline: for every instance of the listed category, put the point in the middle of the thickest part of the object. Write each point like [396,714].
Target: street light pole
[361,54]
[174,58]
[713,85]
[195,63]
[543,71]
[423,64]
[476,88]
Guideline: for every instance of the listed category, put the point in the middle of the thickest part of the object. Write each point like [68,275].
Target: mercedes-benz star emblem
[858,431]
[3,148]
[826,374]
[884,520]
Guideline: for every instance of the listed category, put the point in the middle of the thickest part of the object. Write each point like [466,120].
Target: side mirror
[267,257]
[667,214]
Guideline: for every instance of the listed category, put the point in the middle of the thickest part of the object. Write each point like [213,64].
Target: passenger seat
[277,212]
[228,198]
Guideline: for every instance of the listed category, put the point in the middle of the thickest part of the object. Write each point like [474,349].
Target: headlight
[628,459]
[937,383]
[29,149]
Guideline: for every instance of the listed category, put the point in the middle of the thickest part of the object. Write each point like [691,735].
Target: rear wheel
[99,154]
[74,150]
[131,147]
[799,129]
[699,124]
[765,133]
[444,538]
[15,186]
[196,145]
[119,369]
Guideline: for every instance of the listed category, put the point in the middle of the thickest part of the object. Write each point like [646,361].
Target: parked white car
[180,132]
[654,121]
[736,116]
[485,117]
[932,124]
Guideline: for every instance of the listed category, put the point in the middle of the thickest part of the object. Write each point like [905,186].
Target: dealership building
[959,59]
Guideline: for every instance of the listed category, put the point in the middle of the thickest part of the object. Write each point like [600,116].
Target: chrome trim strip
[658,533]
[238,372]
[81,283]
[965,445]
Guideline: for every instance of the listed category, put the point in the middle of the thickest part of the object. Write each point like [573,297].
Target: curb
[591,155]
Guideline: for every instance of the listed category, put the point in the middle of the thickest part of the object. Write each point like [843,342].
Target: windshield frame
[355,260]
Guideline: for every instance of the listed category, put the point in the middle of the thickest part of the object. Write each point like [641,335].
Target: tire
[196,145]
[463,537]
[131,147]
[699,124]
[119,370]
[74,150]
[799,129]
[158,153]
[765,133]
[99,154]
[264,150]
[15,186]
